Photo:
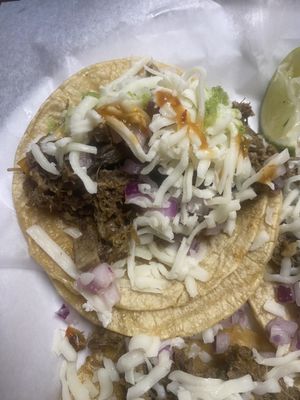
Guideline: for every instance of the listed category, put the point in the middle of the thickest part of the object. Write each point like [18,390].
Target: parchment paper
[41,43]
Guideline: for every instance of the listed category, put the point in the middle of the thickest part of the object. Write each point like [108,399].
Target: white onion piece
[53,250]
[42,160]
[86,278]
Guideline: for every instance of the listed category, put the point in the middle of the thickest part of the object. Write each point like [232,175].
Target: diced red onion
[132,189]
[63,312]
[102,278]
[297,293]
[240,317]
[285,294]
[132,167]
[111,295]
[281,331]
[222,342]
[171,209]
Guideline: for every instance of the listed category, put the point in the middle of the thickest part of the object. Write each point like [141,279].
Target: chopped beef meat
[235,363]
[286,247]
[112,216]
[66,195]
[86,248]
[76,338]
[109,343]
[59,194]
[195,366]
[238,361]
[258,151]
[245,109]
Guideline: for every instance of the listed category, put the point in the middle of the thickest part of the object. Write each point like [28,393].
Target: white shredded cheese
[90,185]
[42,239]
[42,160]
[74,232]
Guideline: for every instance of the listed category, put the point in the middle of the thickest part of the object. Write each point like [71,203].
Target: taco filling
[145,174]
[232,360]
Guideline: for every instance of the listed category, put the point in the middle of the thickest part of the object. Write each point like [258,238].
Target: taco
[141,192]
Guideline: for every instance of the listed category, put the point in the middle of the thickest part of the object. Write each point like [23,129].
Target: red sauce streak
[182,116]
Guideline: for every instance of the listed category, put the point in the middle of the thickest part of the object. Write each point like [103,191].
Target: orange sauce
[182,116]
[268,174]
[242,143]
[136,117]
[249,338]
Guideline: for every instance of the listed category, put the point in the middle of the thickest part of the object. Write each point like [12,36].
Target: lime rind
[280,111]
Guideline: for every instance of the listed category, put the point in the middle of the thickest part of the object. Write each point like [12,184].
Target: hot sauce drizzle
[182,116]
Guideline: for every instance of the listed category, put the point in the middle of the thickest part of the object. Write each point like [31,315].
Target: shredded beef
[62,194]
[86,248]
[107,342]
[286,247]
[112,216]
[235,363]
[245,109]
[66,195]
[258,151]
[76,338]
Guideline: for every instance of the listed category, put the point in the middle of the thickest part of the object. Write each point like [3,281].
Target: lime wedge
[280,111]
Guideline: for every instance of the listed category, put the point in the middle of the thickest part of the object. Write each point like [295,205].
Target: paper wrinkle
[239,44]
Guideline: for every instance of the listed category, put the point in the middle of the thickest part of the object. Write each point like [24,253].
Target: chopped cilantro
[217,96]
[146,97]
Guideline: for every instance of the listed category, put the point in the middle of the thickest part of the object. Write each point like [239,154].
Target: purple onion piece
[222,342]
[281,331]
[285,294]
[132,167]
[171,209]
[132,189]
[63,312]
[102,278]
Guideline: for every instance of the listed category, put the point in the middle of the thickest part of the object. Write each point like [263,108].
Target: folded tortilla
[234,274]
